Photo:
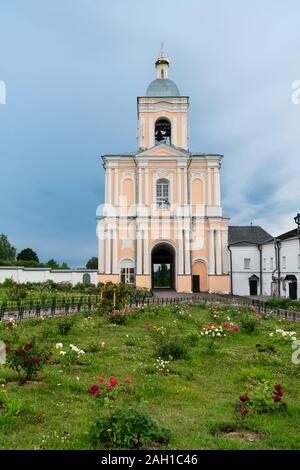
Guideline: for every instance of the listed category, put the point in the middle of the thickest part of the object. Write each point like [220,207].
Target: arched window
[162,73]
[162,131]
[86,279]
[162,194]
[127,271]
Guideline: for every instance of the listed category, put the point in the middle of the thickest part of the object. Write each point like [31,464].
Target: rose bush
[27,359]
[262,398]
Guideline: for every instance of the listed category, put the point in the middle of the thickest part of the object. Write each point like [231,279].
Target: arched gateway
[163,266]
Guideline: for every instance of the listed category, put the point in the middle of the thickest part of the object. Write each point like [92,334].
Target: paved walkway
[170,294]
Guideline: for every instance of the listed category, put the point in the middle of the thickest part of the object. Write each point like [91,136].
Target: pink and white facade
[161,225]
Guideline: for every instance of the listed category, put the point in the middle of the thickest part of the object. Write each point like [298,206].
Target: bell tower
[162,112]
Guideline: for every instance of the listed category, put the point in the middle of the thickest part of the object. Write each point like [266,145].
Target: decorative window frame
[124,177]
[198,176]
[166,176]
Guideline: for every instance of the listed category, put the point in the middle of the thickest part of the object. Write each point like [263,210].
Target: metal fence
[48,307]
[255,305]
[52,307]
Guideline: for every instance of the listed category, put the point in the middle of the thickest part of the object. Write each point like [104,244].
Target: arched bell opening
[163,131]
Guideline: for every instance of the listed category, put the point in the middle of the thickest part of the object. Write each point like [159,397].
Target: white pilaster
[100,234]
[217,187]
[185,183]
[116,187]
[187,254]
[211,251]
[146,197]
[180,252]
[115,251]
[109,185]
[218,252]
[140,186]
[141,132]
[108,252]
[139,252]
[174,131]
[146,253]
[178,185]
[151,132]
[208,187]
[225,252]
[106,186]
[184,132]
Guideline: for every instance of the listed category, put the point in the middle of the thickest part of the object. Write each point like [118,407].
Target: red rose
[128,380]
[236,328]
[101,380]
[94,390]
[277,398]
[113,381]
[278,388]
[108,387]
[36,360]
[28,346]
[244,397]
[244,411]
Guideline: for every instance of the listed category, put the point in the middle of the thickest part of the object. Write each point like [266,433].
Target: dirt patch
[242,434]
[30,384]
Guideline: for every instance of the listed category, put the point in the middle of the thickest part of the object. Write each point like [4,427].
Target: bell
[159,136]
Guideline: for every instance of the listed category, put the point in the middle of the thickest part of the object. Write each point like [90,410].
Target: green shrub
[192,338]
[65,325]
[13,412]
[175,347]
[117,317]
[128,428]
[284,303]
[249,324]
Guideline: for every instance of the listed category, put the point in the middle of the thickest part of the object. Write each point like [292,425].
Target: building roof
[162,87]
[291,234]
[247,235]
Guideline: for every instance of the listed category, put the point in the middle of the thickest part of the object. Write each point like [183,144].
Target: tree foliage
[7,251]
[92,263]
[28,255]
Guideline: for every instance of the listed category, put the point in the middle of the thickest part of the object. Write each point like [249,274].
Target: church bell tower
[163,112]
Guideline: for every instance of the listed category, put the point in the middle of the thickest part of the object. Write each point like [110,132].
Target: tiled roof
[247,235]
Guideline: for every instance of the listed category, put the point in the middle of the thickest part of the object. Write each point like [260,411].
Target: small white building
[263,265]
[23,275]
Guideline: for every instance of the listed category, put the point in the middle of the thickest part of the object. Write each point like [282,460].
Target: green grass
[194,401]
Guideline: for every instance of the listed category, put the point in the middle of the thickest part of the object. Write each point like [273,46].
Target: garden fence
[67,305]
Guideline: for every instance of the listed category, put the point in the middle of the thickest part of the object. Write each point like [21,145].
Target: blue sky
[73,69]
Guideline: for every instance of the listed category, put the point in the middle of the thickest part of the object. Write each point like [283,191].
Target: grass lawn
[194,401]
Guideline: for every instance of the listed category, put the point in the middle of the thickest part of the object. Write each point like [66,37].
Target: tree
[92,263]
[64,266]
[28,255]
[52,264]
[7,251]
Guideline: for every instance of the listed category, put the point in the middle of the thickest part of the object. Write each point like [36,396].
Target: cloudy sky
[73,69]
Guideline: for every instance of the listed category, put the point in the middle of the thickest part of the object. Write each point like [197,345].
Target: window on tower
[162,132]
[162,194]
